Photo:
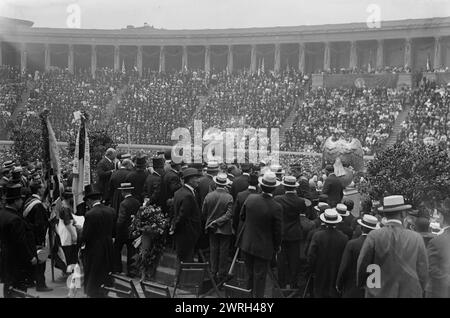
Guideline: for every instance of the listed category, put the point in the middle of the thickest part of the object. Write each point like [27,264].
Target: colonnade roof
[22,31]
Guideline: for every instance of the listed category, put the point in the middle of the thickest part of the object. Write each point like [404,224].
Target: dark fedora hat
[157,162]
[90,191]
[141,162]
[190,172]
[13,191]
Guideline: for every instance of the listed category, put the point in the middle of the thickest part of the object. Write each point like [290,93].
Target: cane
[230,272]
[307,286]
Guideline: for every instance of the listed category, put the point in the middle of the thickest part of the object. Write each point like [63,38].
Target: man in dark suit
[118,177]
[344,227]
[399,253]
[324,255]
[186,223]
[206,183]
[36,215]
[128,207]
[105,168]
[279,172]
[217,211]
[97,235]
[346,279]
[5,173]
[240,199]
[18,251]
[350,220]
[153,182]
[169,185]
[333,187]
[137,178]
[293,206]
[439,258]
[241,182]
[260,238]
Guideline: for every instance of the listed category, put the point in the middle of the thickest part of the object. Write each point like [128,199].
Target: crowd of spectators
[151,107]
[428,118]
[367,70]
[12,85]
[259,100]
[367,114]
[64,93]
[155,105]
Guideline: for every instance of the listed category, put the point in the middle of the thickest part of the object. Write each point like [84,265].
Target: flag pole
[48,179]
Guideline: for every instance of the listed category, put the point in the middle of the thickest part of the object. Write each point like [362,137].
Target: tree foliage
[418,172]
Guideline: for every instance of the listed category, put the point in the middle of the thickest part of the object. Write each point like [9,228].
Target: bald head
[111,153]
[127,164]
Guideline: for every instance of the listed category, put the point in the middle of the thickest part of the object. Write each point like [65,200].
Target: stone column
[47,57]
[353,63]
[327,57]
[253,66]
[407,58]
[70,59]
[437,53]
[301,57]
[230,59]
[139,60]
[184,59]
[23,57]
[207,59]
[162,60]
[116,58]
[93,60]
[380,54]
[277,58]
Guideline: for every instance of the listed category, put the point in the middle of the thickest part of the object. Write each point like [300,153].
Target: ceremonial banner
[81,162]
[51,164]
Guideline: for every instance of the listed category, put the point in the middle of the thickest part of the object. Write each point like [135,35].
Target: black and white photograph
[227,154]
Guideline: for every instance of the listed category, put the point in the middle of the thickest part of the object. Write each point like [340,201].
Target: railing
[8,143]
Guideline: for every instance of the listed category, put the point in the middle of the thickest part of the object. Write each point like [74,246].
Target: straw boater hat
[342,209]
[269,179]
[125,156]
[290,181]
[277,169]
[321,207]
[8,164]
[222,179]
[330,216]
[394,203]
[213,166]
[369,221]
[125,186]
[14,192]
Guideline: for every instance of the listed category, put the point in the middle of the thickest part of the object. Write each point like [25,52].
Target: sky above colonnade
[216,14]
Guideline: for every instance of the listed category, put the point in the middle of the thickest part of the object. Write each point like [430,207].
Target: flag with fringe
[51,162]
[52,181]
[81,162]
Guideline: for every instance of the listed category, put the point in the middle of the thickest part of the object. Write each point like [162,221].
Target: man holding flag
[81,164]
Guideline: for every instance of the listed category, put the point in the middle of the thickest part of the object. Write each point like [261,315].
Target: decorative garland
[151,223]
